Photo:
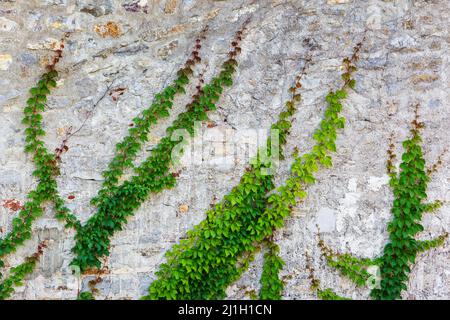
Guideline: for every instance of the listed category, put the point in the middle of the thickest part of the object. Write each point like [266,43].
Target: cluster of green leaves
[127,149]
[19,273]
[91,291]
[409,188]
[126,152]
[351,267]
[151,176]
[202,265]
[323,294]
[271,284]
[46,170]
[210,258]
[329,294]
[16,277]
[86,295]
[305,166]
[46,162]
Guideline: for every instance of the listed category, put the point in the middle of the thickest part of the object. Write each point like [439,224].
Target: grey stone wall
[135,47]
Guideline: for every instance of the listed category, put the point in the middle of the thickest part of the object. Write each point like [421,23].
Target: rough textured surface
[405,60]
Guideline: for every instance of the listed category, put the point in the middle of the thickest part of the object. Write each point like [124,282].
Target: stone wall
[120,53]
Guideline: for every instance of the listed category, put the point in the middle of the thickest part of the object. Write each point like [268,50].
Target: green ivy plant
[127,149]
[326,294]
[46,167]
[329,294]
[353,268]
[271,284]
[86,295]
[18,274]
[409,188]
[46,171]
[215,252]
[151,176]
[47,163]
[302,171]
[92,290]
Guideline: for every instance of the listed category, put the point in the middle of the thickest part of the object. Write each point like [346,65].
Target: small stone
[11,178]
[54,2]
[177,29]
[167,50]
[171,6]
[183,208]
[403,42]
[337,1]
[424,78]
[110,29]
[55,22]
[436,45]
[130,50]
[44,61]
[136,6]
[7,25]
[187,4]
[326,220]
[49,44]
[5,61]
[96,8]
[28,59]
[408,24]
[434,103]
[9,96]
[374,19]
[33,21]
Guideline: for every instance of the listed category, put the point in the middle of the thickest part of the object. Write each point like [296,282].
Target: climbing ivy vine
[127,149]
[45,162]
[152,175]
[215,252]
[400,253]
[271,284]
[327,294]
[220,248]
[203,264]
[17,274]
[46,167]
[354,268]
[46,171]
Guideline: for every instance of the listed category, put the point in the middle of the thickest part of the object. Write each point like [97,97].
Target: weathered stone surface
[136,6]
[338,1]
[28,58]
[404,60]
[9,95]
[55,2]
[170,6]
[5,61]
[49,44]
[7,25]
[96,8]
[110,29]
[326,220]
